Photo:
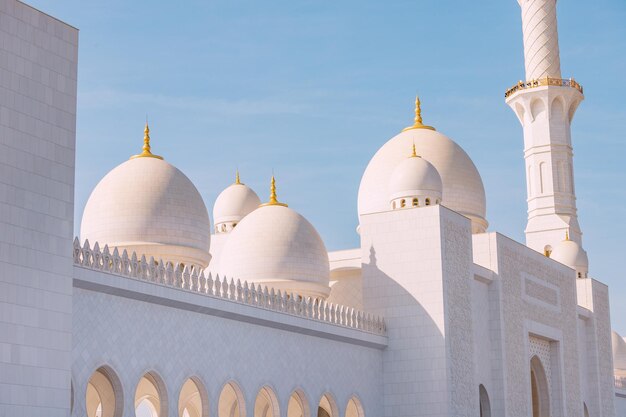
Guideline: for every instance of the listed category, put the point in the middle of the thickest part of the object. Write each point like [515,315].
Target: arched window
[192,400]
[483,398]
[539,389]
[402,202]
[354,408]
[327,407]
[234,225]
[231,402]
[104,394]
[266,404]
[298,405]
[428,201]
[585,411]
[415,202]
[150,396]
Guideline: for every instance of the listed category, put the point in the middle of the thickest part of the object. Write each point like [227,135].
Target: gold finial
[146,146]
[237,179]
[273,198]
[418,117]
[414,153]
[566,235]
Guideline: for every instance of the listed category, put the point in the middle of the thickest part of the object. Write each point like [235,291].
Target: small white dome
[146,205]
[571,254]
[277,247]
[233,204]
[463,189]
[619,351]
[415,177]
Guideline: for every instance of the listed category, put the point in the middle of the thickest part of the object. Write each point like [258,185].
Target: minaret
[545,105]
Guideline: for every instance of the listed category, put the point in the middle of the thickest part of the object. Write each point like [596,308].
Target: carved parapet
[192,279]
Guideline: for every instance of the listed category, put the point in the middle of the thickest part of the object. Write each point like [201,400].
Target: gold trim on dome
[273,198]
[418,118]
[414,153]
[146,153]
[237,179]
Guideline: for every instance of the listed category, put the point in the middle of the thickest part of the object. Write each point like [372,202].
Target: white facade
[430,317]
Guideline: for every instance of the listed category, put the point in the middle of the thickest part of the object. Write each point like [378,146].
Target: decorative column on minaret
[545,105]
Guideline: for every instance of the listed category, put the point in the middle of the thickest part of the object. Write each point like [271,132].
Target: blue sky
[311,89]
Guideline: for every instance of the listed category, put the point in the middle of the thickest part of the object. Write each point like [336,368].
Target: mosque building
[159,309]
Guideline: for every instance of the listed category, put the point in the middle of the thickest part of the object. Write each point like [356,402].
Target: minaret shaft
[541,39]
[545,106]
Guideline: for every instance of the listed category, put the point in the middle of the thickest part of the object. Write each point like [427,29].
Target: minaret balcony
[540,82]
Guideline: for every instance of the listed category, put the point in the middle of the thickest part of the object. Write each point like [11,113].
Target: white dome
[571,254]
[276,246]
[148,206]
[463,189]
[415,177]
[619,351]
[233,204]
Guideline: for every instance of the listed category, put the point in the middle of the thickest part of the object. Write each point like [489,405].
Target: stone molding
[194,280]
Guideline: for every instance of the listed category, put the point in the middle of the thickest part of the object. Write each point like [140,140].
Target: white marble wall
[134,326]
[416,274]
[38,57]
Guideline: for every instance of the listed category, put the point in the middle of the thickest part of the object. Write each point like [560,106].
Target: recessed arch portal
[104,396]
[193,400]
[266,403]
[150,396]
[298,405]
[354,408]
[539,389]
[231,402]
[327,406]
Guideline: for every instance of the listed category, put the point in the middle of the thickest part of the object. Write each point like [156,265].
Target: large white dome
[148,206]
[233,204]
[463,189]
[619,351]
[276,246]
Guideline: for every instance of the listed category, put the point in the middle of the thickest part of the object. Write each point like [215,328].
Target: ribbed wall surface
[541,40]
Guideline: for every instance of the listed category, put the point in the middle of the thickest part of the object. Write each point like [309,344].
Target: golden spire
[418,117]
[237,179]
[146,146]
[273,198]
[566,235]
[414,153]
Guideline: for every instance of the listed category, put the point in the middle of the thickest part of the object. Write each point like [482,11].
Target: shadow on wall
[416,353]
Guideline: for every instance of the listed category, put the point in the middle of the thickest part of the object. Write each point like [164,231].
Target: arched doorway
[192,400]
[150,397]
[327,407]
[354,408]
[266,403]
[539,389]
[485,405]
[231,402]
[298,405]
[103,397]
[586,412]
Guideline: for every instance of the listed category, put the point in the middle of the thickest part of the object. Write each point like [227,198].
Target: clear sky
[312,88]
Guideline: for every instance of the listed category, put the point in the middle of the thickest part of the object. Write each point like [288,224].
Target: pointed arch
[266,403]
[327,406]
[537,108]
[354,408]
[557,108]
[540,394]
[151,395]
[484,403]
[298,405]
[104,394]
[232,402]
[193,400]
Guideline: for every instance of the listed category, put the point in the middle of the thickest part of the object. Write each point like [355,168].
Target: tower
[545,105]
